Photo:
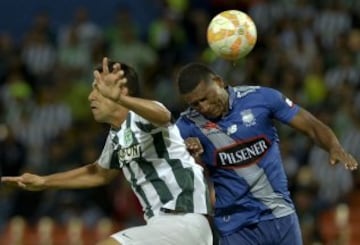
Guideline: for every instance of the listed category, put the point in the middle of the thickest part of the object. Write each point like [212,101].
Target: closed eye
[196,103]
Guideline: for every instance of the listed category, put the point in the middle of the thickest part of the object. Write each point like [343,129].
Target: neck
[226,103]
[118,119]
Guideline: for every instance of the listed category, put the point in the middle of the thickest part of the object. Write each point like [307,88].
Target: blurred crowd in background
[308,50]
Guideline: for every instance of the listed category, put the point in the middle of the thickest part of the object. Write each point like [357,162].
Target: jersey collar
[232,95]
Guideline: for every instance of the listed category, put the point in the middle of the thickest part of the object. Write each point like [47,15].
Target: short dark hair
[191,75]
[133,83]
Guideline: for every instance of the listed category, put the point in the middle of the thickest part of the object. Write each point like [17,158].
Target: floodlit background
[310,51]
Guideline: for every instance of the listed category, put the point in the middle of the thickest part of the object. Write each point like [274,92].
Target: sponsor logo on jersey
[126,235]
[232,129]
[129,153]
[288,101]
[248,118]
[242,91]
[243,153]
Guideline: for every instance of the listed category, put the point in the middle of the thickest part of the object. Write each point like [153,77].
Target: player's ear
[125,90]
[219,81]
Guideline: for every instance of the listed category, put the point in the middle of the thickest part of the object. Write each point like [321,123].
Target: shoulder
[257,95]
[245,91]
[188,113]
[187,117]
[159,103]
[137,122]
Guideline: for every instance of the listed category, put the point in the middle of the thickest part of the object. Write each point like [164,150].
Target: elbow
[100,175]
[167,117]
[164,119]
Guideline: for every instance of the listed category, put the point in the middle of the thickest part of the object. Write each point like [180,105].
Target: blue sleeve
[281,107]
[185,127]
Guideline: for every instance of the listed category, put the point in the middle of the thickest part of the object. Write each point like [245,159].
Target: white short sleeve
[106,154]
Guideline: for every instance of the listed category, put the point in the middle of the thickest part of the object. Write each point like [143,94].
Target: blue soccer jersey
[241,151]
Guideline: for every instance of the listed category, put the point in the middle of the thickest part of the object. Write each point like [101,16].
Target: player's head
[203,90]
[130,74]
[105,110]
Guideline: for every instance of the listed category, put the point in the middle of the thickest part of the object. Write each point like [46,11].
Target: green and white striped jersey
[155,161]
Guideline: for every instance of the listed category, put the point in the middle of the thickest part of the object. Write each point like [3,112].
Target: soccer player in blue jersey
[232,130]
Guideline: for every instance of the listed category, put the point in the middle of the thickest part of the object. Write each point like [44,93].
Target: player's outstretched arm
[26,181]
[323,136]
[85,177]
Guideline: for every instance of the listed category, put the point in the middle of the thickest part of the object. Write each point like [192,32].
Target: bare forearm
[324,137]
[320,133]
[84,177]
[148,109]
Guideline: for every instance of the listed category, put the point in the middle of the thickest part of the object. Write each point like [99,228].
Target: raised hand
[338,155]
[110,84]
[30,182]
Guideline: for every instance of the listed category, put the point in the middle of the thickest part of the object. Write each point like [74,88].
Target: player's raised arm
[323,136]
[117,81]
[87,176]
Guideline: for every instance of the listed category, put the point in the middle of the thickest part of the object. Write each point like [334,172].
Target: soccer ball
[231,34]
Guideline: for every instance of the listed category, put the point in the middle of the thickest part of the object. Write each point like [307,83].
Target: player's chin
[213,115]
[97,117]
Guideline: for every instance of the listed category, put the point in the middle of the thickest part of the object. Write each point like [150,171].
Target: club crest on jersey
[128,137]
[248,118]
[243,153]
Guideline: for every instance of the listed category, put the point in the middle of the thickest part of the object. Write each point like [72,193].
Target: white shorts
[169,229]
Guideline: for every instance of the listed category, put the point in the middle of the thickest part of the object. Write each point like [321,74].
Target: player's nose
[91,95]
[203,107]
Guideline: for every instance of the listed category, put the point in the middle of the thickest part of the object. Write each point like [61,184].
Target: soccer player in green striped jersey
[149,150]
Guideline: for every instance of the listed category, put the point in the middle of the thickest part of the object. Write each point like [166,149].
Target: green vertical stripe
[148,211]
[114,161]
[146,127]
[128,120]
[207,194]
[184,176]
[139,190]
[159,185]
[151,174]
